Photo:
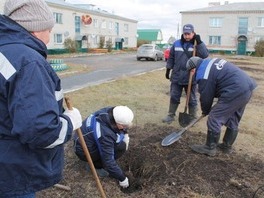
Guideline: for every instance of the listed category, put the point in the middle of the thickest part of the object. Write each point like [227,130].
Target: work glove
[126,140]
[167,75]
[197,38]
[75,117]
[124,184]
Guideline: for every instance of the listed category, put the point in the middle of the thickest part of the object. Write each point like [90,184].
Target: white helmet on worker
[123,115]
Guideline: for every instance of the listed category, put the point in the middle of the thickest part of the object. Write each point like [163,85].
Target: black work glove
[197,38]
[167,75]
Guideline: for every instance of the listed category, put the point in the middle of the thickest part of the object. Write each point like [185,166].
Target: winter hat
[188,28]
[33,15]
[193,62]
[123,115]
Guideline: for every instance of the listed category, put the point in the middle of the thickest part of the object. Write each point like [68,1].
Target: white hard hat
[123,115]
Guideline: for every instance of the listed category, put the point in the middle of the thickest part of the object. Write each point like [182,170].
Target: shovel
[175,136]
[185,118]
[86,152]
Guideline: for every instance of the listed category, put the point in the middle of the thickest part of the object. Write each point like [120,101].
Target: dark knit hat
[33,15]
[193,62]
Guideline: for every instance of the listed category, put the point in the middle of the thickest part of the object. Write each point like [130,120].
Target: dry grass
[147,95]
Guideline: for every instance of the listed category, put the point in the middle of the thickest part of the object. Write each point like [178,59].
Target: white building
[87,24]
[231,28]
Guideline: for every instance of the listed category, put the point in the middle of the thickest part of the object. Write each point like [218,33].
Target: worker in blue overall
[218,78]
[105,134]
[176,72]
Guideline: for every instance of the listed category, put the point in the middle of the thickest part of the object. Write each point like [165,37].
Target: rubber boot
[193,111]
[228,140]
[170,117]
[211,143]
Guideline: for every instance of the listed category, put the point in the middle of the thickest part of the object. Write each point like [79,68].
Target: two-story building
[87,24]
[230,28]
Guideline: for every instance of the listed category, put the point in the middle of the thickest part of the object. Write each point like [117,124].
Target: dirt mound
[176,170]
[173,171]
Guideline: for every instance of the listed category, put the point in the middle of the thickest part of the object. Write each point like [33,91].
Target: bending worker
[105,134]
[218,78]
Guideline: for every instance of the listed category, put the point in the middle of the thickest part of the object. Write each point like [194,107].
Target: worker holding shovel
[105,134]
[218,78]
[182,49]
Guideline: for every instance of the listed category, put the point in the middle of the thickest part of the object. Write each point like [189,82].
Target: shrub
[70,45]
[109,45]
[259,48]
[101,42]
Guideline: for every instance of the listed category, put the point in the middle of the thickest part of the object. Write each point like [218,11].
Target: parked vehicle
[166,53]
[150,52]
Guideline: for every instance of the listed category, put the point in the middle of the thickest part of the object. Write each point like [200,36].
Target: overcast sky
[155,14]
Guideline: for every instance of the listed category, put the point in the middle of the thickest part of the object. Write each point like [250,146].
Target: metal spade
[175,136]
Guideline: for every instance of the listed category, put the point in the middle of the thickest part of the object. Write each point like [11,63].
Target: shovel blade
[185,119]
[170,139]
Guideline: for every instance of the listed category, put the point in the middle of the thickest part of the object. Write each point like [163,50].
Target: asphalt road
[107,67]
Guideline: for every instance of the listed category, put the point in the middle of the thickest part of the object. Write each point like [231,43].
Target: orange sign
[86,19]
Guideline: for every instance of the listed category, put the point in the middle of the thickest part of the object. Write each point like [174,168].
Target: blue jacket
[32,127]
[178,58]
[101,135]
[218,78]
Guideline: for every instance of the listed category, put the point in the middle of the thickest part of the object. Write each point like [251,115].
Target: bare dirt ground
[176,171]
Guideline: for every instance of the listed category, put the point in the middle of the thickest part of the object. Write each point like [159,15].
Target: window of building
[215,22]
[57,17]
[58,38]
[95,23]
[117,28]
[214,40]
[260,21]
[103,26]
[258,38]
[242,25]
[125,27]
[95,39]
[77,24]
[111,25]
[126,40]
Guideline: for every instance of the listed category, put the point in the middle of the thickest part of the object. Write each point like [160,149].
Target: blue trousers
[176,92]
[227,113]
[31,195]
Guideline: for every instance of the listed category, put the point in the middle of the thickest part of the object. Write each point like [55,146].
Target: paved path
[107,68]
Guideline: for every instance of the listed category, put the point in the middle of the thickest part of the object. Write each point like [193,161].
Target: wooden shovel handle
[190,79]
[189,89]
[86,152]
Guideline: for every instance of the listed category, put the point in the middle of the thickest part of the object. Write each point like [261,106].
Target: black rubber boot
[228,140]
[211,143]
[193,111]
[170,117]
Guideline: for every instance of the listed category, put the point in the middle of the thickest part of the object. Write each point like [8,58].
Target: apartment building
[87,24]
[230,28]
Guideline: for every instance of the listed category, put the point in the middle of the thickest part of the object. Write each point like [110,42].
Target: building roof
[231,7]
[86,8]
[149,34]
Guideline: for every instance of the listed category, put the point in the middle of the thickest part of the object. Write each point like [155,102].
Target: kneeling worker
[105,134]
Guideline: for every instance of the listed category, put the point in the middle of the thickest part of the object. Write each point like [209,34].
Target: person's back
[224,80]
[33,126]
